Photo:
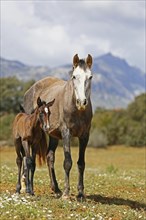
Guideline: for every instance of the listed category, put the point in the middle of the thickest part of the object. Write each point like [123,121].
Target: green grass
[114,187]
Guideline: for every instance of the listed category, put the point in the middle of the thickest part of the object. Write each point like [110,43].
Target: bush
[98,139]
[6,122]
[120,126]
[12,92]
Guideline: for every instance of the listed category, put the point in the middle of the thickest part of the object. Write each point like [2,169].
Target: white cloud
[51,32]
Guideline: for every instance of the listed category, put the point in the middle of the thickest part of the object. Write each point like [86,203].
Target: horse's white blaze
[81,82]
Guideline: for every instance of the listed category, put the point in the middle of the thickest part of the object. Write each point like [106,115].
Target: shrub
[98,139]
[6,122]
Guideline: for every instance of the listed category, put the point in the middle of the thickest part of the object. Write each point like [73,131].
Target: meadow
[114,187]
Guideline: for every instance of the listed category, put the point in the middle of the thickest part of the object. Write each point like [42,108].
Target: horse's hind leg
[53,142]
[19,163]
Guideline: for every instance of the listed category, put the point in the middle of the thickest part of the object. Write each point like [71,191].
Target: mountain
[115,83]
[22,71]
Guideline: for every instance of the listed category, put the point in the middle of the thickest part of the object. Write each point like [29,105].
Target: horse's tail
[42,149]
[21,108]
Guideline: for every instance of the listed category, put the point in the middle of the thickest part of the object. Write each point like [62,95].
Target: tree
[11,94]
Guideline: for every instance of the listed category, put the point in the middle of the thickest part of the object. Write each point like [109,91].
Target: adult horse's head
[81,77]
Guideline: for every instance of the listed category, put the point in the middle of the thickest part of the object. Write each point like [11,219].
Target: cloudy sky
[51,32]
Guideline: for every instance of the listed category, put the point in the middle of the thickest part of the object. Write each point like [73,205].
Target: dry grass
[114,187]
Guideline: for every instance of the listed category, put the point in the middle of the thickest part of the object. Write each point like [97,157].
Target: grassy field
[114,187]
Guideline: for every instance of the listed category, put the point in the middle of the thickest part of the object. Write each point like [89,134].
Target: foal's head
[44,113]
[81,77]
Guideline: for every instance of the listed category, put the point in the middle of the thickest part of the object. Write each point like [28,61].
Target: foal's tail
[42,149]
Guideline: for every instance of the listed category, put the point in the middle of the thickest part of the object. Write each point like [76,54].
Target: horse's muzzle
[81,105]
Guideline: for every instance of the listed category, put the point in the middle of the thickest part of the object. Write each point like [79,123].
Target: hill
[115,82]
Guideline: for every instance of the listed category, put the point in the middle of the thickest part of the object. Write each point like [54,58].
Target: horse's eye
[90,77]
[73,77]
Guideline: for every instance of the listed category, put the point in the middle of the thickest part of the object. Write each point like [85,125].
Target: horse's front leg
[81,164]
[67,160]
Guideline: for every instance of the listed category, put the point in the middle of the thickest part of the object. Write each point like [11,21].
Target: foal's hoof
[31,193]
[81,197]
[23,190]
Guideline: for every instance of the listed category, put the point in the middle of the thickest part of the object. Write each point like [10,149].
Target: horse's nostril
[78,101]
[85,102]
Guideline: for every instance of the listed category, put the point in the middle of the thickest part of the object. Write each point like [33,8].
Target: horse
[71,115]
[29,132]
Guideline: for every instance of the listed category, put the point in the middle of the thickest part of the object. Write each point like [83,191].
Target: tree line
[120,126]
[109,126]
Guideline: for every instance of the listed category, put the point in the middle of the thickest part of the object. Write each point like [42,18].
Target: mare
[71,115]
[29,132]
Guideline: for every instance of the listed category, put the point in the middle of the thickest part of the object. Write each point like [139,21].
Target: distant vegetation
[11,94]
[125,126]
[109,127]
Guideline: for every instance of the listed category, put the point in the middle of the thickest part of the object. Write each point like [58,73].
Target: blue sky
[51,32]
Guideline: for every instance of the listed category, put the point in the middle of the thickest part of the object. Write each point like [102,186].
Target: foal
[29,132]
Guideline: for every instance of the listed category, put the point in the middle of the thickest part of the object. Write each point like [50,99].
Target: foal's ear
[89,61]
[75,60]
[39,102]
[21,108]
[51,103]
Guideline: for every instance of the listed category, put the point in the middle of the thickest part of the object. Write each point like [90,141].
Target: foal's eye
[90,77]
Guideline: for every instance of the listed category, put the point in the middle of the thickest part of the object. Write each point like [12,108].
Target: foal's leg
[27,165]
[19,163]
[67,161]
[33,166]
[53,143]
[81,164]
[23,178]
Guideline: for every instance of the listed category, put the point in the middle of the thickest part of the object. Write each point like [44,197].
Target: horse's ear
[39,102]
[51,103]
[89,61]
[75,61]
[21,108]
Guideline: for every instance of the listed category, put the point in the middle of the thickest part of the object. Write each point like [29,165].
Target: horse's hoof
[58,194]
[81,197]
[65,196]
